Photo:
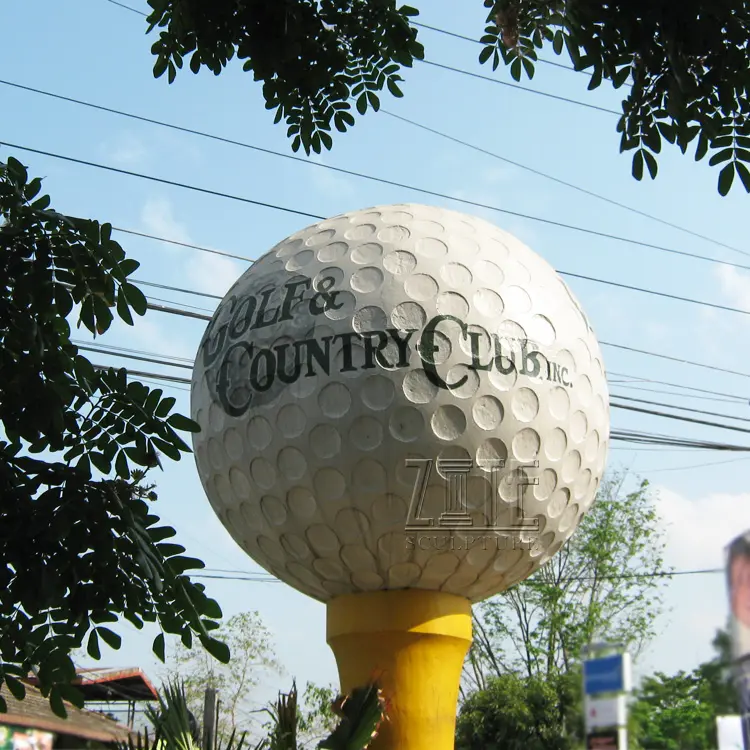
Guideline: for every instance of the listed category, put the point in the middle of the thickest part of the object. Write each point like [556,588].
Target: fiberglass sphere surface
[400,397]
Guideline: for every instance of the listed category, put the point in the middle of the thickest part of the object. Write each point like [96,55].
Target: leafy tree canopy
[515,712]
[686,65]
[79,546]
[587,592]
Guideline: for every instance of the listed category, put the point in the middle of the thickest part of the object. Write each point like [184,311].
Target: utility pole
[209,719]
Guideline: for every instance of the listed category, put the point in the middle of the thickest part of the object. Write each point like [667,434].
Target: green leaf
[723,155]
[178,565]
[362,104]
[92,646]
[515,69]
[179,422]
[110,638]
[122,469]
[653,167]
[123,310]
[394,89]
[558,42]
[165,406]
[528,66]
[16,687]
[485,55]
[135,297]
[159,647]
[217,649]
[128,266]
[638,165]
[744,174]
[56,703]
[160,66]
[726,178]
[100,462]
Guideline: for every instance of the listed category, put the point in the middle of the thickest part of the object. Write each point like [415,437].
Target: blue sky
[96,51]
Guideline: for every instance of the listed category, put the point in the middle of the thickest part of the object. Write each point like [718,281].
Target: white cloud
[213,274]
[735,286]
[126,149]
[158,219]
[697,532]
[206,272]
[330,183]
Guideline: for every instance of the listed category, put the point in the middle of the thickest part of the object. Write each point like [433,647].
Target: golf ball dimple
[400,397]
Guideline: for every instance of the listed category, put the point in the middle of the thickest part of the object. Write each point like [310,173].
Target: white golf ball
[400,397]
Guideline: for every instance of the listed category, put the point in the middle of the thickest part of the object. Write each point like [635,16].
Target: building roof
[113,684]
[34,712]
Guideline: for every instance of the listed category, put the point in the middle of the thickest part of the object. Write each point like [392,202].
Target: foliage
[586,592]
[675,713]
[252,655]
[285,722]
[316,716]
[679,712]
[515,712]
[688,63]
[79,545]
[361,713]
[175,727]
[719,677]
[312,57]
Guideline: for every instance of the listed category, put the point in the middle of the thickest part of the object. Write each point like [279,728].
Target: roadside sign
[604,675]
[605,712]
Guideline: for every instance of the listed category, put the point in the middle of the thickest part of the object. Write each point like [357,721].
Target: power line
[163,181]
[307,214]
[559,181]
[681,408]
[127,7]
[665,415]
[137,357]
[666,295]
[679,418]
[476,41]
[177,289]
[714,368]
[519,87]
[360,175]
[697,466]
[648,438]
[626,384]
[613,577]
[153,357]
[654,292]
[743,399]
[187,313]
[145,352]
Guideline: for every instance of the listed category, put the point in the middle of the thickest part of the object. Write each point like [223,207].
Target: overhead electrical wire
[652,412]
[154,357]
[239,576]
[643,290]
[421,25]
[310,215]
[189,314]
[361,175]
[681,408]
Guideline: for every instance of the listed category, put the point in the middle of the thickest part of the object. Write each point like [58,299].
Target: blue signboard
[605,675]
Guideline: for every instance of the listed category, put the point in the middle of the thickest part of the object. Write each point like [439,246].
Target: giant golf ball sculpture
[403,410]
